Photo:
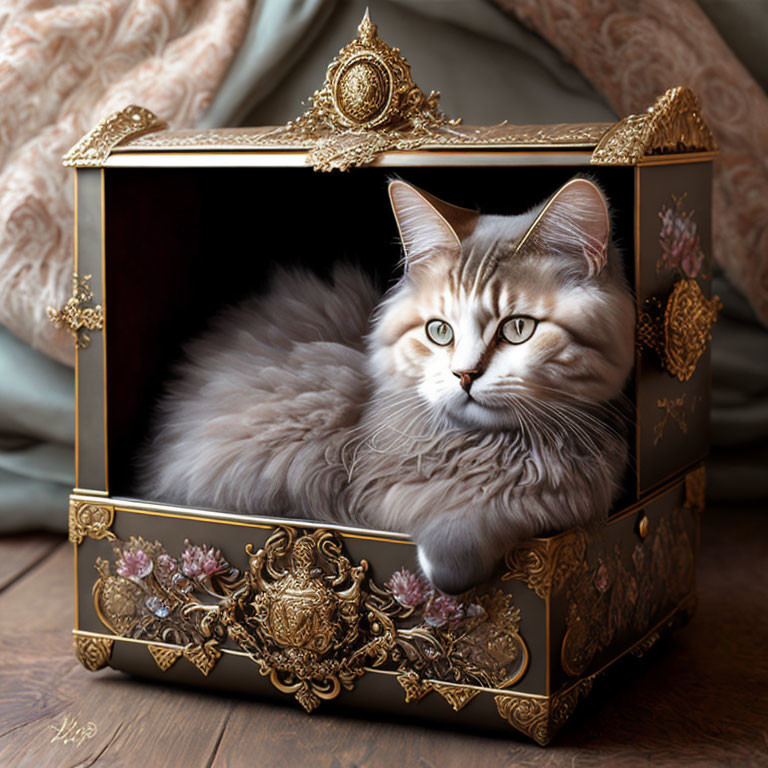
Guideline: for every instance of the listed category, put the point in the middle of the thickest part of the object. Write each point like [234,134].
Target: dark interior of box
[182,243]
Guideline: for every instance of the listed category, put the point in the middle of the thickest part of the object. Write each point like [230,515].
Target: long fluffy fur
[296,403]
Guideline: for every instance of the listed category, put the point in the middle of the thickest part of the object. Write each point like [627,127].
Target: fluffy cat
[470,407]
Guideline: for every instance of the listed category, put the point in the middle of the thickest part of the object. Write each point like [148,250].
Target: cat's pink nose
[466,378]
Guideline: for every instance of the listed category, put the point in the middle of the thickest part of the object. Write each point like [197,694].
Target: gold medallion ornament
[78,314]
[305,618]
[681,331]
[367,105]
[92,520]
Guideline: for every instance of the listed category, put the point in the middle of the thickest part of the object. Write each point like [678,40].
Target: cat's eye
[440,332]
[518,329]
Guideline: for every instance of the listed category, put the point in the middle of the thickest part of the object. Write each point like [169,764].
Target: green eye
[440,332]
[518,329]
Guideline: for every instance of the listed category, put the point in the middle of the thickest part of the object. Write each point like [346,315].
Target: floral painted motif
[473,641]
[679,239]
[149,595]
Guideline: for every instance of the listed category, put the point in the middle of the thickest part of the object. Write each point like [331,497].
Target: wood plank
[20,553]
[42,685]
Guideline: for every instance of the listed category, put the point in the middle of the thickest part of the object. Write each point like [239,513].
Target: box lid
[369,105]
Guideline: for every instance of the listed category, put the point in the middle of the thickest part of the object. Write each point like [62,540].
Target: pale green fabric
[37,432]
[488,68]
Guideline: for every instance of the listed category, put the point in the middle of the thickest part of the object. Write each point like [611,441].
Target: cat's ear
[574,221]
[428,226]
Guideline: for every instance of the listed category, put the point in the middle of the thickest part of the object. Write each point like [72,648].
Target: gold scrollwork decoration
[672,125]
[92,520]
[618,593]
[545,564]
[311,620]
[93,149]
[92,652]
[681,332]
[76,314]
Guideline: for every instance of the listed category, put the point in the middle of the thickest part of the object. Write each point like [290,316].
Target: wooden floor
[699,700]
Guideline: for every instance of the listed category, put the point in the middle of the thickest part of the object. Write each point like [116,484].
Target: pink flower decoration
[134,565]
[200,562]
[679,240]
[442,611]
[407,588]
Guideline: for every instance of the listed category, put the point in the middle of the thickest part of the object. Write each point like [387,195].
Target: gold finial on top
[367,28]
[368,104]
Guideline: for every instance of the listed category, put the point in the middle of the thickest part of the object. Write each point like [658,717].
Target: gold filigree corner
[544,565]
[680,331]
[541,718]
[368,104]
[93,652]
[93,149]
[92,520]
[78,315]
[164,656]
[672,125]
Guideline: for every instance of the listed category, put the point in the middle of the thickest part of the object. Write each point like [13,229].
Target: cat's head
[494,312]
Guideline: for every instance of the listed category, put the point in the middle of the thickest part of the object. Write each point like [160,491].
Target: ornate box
[326,615]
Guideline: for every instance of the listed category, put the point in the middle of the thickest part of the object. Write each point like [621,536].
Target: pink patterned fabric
[64,66]
[632,51]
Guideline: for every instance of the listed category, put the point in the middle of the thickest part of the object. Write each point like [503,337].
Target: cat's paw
[447,577]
